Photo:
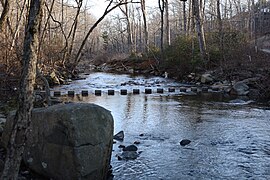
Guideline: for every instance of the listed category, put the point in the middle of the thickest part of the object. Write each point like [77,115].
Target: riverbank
[250,74]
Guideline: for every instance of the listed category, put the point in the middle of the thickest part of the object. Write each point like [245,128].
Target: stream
[229,140]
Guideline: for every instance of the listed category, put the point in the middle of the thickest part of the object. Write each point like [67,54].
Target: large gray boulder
[69,141]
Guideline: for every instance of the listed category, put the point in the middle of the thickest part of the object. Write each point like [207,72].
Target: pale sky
[97,7]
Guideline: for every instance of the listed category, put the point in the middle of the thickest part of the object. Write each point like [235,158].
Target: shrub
[182,57]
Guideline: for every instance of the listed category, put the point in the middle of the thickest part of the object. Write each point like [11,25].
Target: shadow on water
[229,140]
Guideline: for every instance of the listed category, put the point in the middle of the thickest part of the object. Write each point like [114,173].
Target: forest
[181,37]
[46,42]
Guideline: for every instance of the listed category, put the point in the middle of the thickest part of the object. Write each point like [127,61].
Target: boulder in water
[119,136]
[68,141]
[185,142]
[130,148]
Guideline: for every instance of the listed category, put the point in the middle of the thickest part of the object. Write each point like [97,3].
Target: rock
[137,142]
[119,136]
[227,89]
[240,88]
[121,146]
[2,120]
[237,101]
[68,141]
[185,142]
[56,101]
[2,123]
[119,157]
[53,79]
[240,101]
[128,155]
[130,148]
[25,172]
[206,78]
[131,71]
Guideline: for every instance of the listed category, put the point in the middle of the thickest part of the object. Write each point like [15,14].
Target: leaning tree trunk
[108,9]
[23,115]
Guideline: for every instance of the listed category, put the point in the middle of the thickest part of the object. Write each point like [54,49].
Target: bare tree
[22,118]
[196,12]
[185,16]
[108,9]
[167,27]
[220,29]
[161,5]
[18,25]
[125,11]
[146,36]
[4,15]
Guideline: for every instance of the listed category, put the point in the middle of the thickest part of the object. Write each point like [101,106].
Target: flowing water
[228,140]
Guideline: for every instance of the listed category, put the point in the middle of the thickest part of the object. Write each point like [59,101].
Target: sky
[97,7]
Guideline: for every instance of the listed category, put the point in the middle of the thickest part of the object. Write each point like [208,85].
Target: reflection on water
[228,141]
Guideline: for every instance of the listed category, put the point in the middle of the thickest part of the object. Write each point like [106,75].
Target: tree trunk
[72,34]
[220,30]
[185,17]
[199,30]
[191,17]
[107,11]
[130,32]
[146,46]
[161,8]
[4,15]
[23,115]
[167,27]
[18,25]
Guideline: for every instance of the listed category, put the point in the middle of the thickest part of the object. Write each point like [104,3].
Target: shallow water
[228,140]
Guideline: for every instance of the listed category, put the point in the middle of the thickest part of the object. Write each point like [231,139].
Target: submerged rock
[128,155]
[185,142]
[119,136]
